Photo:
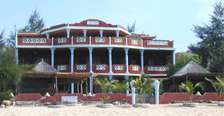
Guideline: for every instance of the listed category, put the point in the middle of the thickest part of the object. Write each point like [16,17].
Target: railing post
[72,58]
[52,56]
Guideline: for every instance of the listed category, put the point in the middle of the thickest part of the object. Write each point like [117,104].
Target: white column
[72,58]
[110,79]
[17,55]
[52,56]
[68,33]
[156,87]
[117,33]
[174,58]
[91,71]
[56,84]
[142,60]
[90,59]
[127,83]
[91,85]
[110,60]
[72,88]
[126,59]
[47,35]
[84,32]
[101,33]
[133,96]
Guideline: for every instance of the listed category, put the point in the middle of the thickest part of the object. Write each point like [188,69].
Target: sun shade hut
[44,70]
[190,72]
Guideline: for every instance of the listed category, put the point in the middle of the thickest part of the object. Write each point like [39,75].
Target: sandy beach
[91,110]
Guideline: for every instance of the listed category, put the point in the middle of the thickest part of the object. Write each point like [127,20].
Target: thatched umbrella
[191,69]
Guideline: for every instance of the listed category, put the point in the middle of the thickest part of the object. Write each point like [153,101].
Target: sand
[91,110]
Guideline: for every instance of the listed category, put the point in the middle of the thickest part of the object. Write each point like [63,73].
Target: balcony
[100,40]
[63,68]
[155,69]
[62,41]
[34,41]
[100,68]
[81,40]
[81,68]
[135,69]
[118,41]
[158,44]
[134,42]
[118,68]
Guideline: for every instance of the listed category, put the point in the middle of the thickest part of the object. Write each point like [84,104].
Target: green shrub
[6,95]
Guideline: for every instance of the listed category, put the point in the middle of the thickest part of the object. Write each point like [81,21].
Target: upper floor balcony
[116,69]
[118,41]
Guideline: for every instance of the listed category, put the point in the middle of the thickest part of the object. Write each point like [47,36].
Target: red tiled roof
[29,34]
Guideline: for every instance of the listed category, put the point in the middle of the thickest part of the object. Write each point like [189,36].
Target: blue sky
[167,19]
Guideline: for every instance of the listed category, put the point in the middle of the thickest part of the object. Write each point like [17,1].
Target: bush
[6,95]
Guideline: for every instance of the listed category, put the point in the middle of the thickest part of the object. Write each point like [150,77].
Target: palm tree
[118,87]
[143,87]
[218,84]
[103,83]
[190,88]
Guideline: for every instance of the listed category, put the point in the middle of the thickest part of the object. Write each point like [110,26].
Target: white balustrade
[100,40]
[119,67]
[157,68]
[135,68]
[101,67]
[81,67]
[118,40]
[34,40]
[61,40]
[157,42]
[81,39]
[135,41]
[61,67]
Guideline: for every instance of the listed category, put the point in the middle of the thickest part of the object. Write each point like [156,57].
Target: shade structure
[44,70]
[191,68]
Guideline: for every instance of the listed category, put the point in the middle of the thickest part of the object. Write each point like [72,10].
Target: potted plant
[104,85]
[143,86]
[190,88]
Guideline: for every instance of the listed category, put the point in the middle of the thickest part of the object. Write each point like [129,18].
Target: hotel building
[91,47]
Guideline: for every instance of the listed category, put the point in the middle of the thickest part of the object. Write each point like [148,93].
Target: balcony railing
[118,68]
[81,40]
[135,69]
[62,41]
[100,68]
[34,41]
[117,41]
[41,41]
[158,43]
[100,40]
[63,68]
[81,68]
[134,42]
[156,69]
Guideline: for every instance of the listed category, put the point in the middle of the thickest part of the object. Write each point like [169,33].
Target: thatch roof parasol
[191,68]
[42,66]
[44,70]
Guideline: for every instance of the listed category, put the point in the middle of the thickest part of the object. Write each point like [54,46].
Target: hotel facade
[91,47]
